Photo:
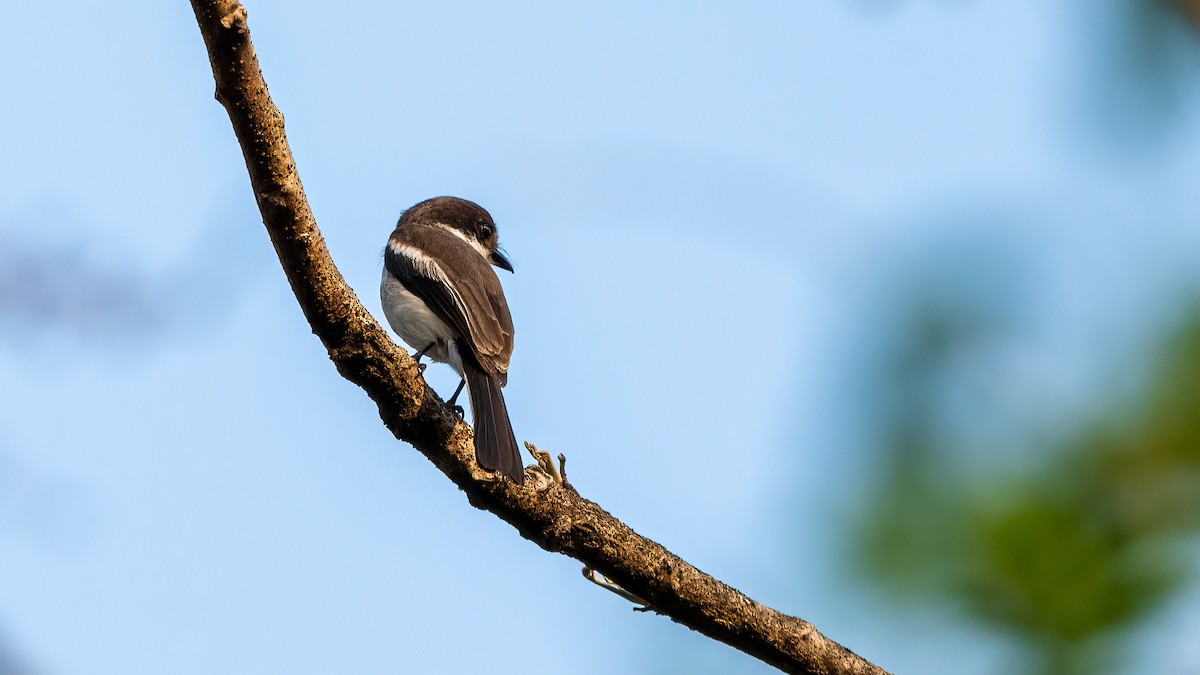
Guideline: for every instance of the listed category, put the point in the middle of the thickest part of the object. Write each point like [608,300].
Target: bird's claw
[423,352]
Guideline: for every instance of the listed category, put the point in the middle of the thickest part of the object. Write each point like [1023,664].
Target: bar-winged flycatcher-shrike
[442,297]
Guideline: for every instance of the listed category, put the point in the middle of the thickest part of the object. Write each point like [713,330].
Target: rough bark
[548,513]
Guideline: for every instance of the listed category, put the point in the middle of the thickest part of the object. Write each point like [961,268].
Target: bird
[443,298]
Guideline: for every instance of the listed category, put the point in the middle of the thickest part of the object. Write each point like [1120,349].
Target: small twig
[608,585]
[547,464]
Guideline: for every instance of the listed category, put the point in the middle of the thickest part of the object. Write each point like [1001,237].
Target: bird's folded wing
[459,286]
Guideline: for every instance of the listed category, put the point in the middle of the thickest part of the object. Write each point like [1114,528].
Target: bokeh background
[885,312]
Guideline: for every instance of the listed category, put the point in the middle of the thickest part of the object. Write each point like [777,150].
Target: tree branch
[548,513]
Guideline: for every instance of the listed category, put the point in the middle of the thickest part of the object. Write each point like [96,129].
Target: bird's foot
[423,352]
[458,409]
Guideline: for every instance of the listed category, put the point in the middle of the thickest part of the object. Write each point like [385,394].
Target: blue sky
[712,211]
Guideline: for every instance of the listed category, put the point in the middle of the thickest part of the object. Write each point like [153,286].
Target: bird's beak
[499,260]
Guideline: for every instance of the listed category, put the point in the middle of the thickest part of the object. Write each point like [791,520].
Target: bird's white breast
[412,320]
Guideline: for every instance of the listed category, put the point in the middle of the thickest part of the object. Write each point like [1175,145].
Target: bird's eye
[485,232]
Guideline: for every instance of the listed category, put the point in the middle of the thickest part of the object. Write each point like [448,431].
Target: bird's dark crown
[465,216]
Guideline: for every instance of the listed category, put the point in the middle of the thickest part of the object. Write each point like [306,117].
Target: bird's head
[464,218]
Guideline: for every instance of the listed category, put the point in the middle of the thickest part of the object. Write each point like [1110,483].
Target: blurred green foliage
[1067,548]
[1064,554]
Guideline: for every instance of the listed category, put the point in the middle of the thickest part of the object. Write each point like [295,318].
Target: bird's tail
[495,445]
